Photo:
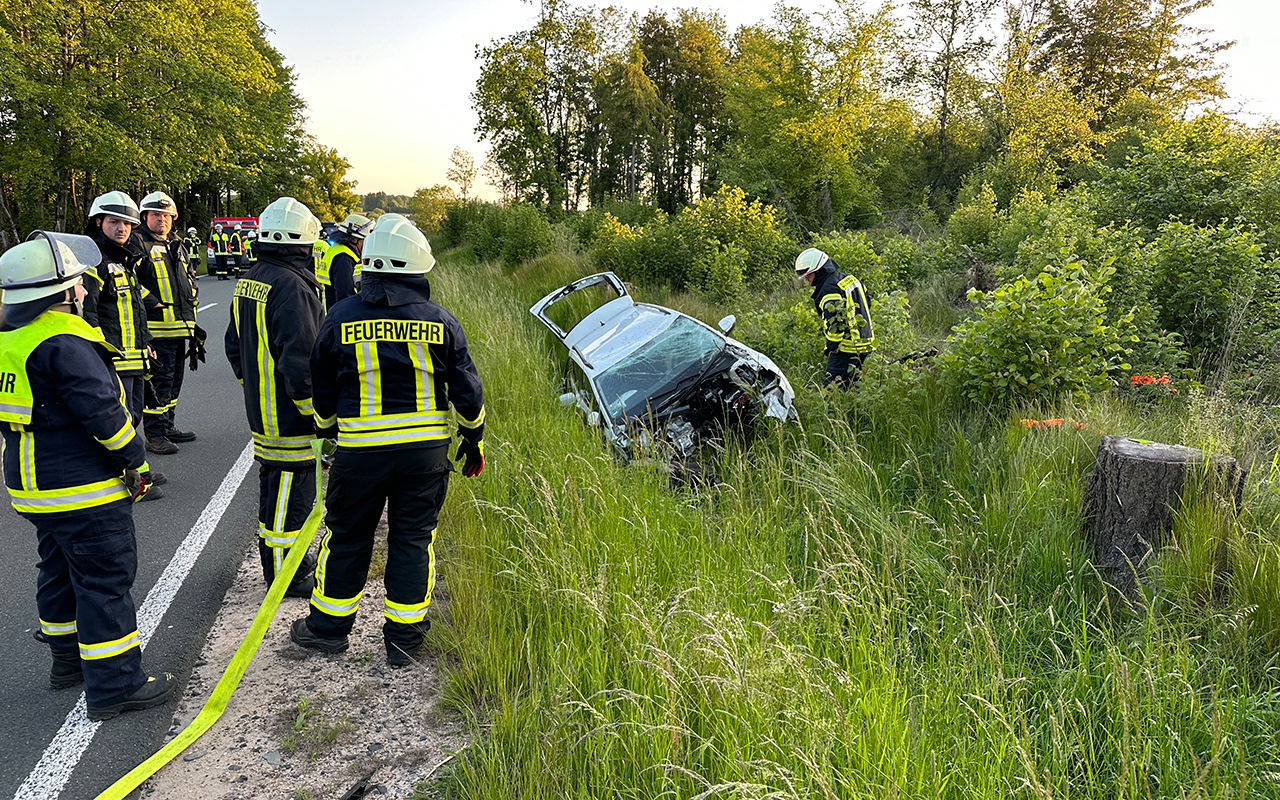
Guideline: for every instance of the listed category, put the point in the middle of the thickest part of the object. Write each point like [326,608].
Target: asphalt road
[31,714]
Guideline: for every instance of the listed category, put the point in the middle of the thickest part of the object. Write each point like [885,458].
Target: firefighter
[219,243]
[116,305]
[842,306]
[163,273]
[235,249]
[339,268]
[71,459]
[250,248]
[275,315]
[386,367]
[193,244]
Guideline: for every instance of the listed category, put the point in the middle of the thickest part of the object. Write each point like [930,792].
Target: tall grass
[879,602]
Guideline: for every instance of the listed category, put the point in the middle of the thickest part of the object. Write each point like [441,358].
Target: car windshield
[678,354]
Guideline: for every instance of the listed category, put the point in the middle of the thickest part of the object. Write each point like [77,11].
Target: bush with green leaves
[854,253]
[976,223]
[719,245]
[1039,339]
[460,218]
[510,234]
[1214,289]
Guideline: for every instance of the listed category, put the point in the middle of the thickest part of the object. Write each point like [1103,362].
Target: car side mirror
[568,398]
[728,324]
[593,419]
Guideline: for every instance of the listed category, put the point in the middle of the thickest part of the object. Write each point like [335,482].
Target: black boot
[153,693]
[304,580]
[67,671]
[302,635]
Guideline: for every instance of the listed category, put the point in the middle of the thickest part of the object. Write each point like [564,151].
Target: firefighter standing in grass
[163,272]
[116,305]
[339,267]
[842,306]
[386,367]
[275,316]
[70,463]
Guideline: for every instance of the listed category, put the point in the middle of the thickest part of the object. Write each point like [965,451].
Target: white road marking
[60,758]
[206,305]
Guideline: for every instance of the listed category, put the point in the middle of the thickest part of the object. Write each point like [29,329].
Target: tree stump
[1133,493]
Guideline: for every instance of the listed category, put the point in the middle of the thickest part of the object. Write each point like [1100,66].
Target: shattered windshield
[673,358]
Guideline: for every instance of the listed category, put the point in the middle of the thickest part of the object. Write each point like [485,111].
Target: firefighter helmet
[288,221]
[396,247]
[45,264]
[115,204]
[357,226]
[161,202]
[811,260]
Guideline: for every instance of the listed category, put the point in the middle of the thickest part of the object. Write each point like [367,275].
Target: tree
[1116,49]
[430,204]
[463,171]
[949,45]
[324,185]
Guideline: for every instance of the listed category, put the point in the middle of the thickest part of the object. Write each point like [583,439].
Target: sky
[388,82]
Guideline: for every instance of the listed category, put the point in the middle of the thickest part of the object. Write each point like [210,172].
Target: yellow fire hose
[217,702]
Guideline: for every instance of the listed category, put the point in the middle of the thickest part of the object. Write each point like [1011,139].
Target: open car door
[608,280]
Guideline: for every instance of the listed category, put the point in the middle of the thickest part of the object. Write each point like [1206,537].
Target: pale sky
[387,82]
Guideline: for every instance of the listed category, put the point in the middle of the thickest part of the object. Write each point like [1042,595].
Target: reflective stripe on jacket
[163,272]
[842,305]
[341,267]
[385,376]
[68,437]
[275,315]
[114,304]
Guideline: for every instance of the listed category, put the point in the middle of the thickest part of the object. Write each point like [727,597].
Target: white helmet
[396,247]
[192,231]
[159,201]
[810,260]
[357,226]
[45,264]
[115,204]
[288,221]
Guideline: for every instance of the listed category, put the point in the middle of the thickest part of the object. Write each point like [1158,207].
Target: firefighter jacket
[275,315]
[192,244]
[842,305]
[387,366]
[219,242]
[235,245]
[67,436]
[163,272]
[338,270]
[250,251]
[116,304]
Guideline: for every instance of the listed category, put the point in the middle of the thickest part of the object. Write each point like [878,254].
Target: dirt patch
[305,725]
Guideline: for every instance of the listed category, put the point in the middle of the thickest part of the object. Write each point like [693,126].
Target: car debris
[648,375]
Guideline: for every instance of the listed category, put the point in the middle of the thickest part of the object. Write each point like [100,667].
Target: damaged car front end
[652,377]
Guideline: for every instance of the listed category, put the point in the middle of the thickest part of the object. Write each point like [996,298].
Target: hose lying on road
[217,702]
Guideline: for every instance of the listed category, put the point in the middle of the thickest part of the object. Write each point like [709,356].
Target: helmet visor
[72,254]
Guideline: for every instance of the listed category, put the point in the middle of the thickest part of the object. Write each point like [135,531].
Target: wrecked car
[646,374]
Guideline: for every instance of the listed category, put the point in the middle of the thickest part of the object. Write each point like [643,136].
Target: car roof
[615,330]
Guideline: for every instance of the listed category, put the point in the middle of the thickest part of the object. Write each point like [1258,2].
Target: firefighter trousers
[843,369]
[134,389]
[286,496]
[88,560]
[411,485]
[167,371]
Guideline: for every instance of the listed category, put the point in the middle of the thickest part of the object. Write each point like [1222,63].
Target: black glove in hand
[473,452]
[195,350]
[134,482]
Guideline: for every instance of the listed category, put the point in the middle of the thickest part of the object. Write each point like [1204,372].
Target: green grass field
[883,601]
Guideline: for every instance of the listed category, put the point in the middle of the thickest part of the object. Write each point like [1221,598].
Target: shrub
[459,218]
[724,238]
[1214,289]
[511,234]
[1038,339]
[853,251]
[976,223]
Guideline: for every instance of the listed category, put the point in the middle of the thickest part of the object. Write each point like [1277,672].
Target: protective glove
[473,452]
[196,351]
[328,452]
[135,483]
